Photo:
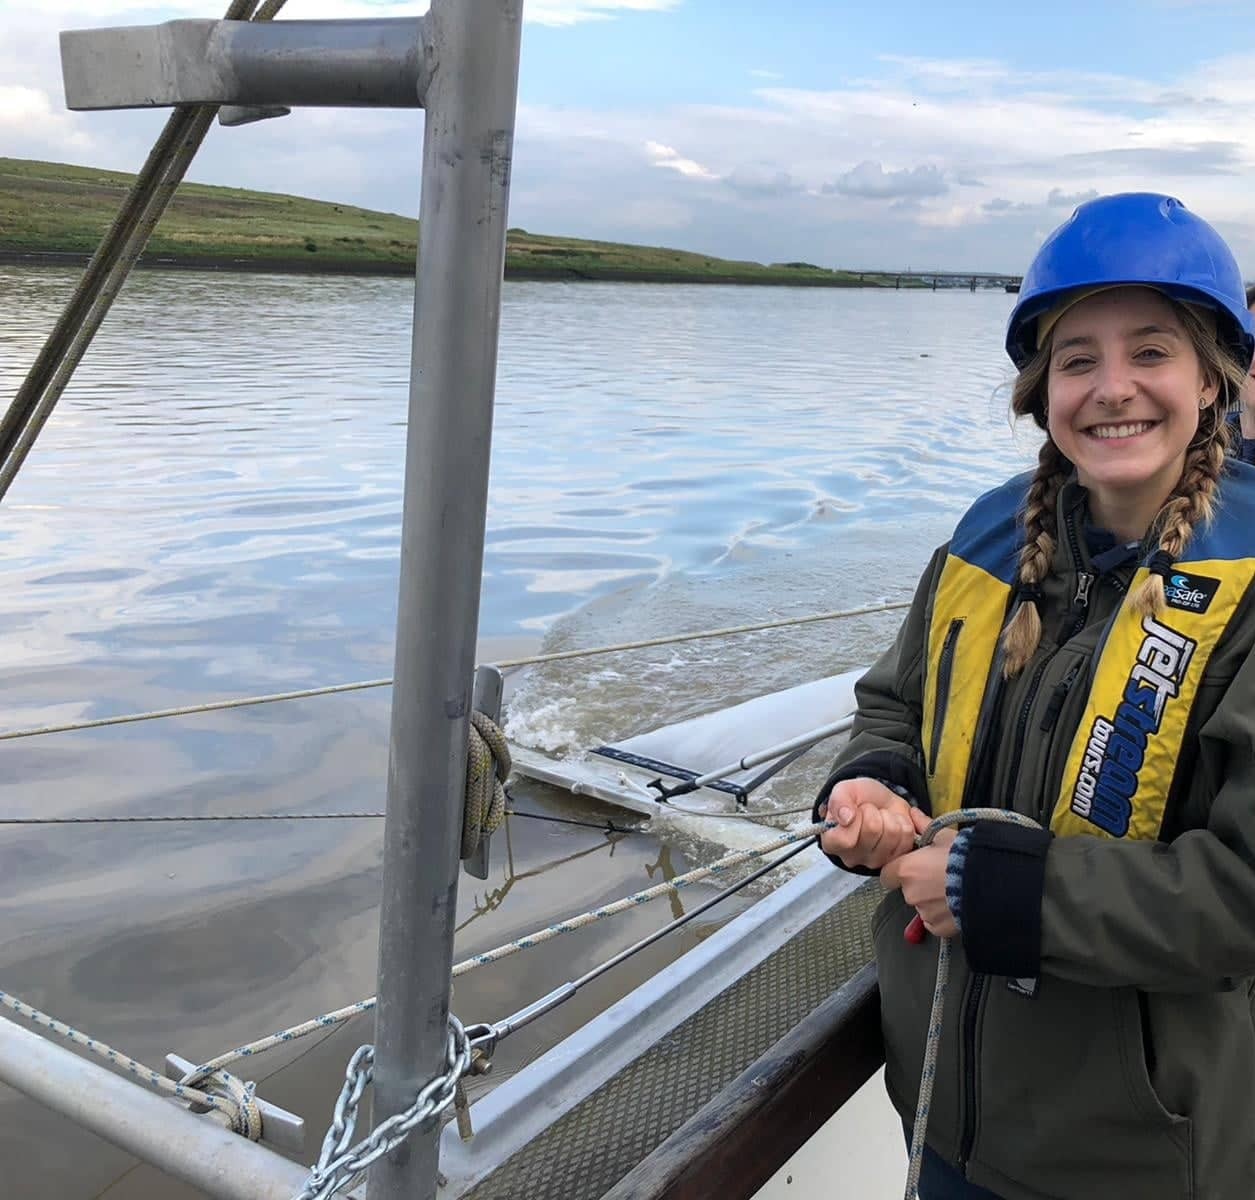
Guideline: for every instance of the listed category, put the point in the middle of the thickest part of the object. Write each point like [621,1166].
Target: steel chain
[339,1163]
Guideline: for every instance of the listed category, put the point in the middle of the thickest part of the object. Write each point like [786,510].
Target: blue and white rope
[570,925]
[238,1104]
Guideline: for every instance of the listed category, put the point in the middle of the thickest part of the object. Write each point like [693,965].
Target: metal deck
[590,1148]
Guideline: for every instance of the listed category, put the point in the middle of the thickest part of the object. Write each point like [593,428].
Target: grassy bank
[50,210]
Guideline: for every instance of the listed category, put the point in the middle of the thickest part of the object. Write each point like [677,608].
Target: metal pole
[191,1148]
[470,103]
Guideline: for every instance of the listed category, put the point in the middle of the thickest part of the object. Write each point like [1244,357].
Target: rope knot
[245,1112]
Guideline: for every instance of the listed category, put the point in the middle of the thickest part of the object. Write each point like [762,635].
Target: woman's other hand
[922,877]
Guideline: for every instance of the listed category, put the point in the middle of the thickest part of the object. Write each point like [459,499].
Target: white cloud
[1058,198]
[18,105]
[665,156]
[871,180]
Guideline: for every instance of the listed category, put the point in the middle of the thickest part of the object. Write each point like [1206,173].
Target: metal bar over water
[467,148]
[378,62]
[194,1149]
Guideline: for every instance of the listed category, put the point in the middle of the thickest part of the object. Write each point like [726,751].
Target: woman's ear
[1211,391]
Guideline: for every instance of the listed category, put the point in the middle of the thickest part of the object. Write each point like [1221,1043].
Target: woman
[1079,652]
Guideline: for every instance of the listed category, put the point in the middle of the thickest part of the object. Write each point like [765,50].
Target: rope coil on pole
[488,766]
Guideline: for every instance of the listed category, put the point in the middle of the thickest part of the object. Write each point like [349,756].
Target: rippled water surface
[214,510]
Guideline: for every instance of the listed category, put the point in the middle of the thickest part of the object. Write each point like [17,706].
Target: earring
[1202,401]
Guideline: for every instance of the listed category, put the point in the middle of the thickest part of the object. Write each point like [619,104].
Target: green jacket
[1099,1036]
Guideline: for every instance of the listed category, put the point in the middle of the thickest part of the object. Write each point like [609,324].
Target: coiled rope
[965,816]
[487,768]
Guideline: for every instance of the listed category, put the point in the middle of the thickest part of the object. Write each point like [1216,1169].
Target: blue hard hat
[1138,239]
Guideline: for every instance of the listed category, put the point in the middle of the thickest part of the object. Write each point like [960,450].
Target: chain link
[340,1163]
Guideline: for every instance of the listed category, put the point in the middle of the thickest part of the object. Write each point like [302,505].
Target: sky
[898,134]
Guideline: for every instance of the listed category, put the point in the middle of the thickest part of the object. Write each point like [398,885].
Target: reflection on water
[215,510]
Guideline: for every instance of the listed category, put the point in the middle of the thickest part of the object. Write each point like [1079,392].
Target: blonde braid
[1023,632]
[1191,504]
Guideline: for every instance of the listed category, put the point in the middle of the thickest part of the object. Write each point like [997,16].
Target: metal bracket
[485,698]
[379,63]
[279,1128]
[232,115]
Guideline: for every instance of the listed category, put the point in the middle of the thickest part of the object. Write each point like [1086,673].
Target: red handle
[915,933]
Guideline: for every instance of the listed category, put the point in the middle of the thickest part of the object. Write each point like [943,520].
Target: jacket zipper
[971,1013]
[1079,606]
[945,666]
[1021,725]
[1054,706]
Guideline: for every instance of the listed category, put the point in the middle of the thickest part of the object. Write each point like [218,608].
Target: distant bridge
[946,279]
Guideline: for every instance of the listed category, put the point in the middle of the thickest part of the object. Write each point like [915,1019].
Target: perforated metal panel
[592,1147]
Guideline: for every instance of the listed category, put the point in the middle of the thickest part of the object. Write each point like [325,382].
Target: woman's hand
[922,877]
[874,825]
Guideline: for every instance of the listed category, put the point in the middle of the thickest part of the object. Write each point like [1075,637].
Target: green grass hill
[53,212]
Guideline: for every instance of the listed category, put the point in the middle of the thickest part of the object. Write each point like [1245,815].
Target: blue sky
[706,50]
[892,134]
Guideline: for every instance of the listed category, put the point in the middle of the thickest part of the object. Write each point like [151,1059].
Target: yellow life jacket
[1143,683]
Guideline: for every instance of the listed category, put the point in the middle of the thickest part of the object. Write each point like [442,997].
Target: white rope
[362,685]
[190,710]
[729,631]
[239,1104]
[540,936]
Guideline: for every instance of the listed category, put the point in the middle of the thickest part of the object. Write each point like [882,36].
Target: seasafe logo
[1190,593]
[1107,782]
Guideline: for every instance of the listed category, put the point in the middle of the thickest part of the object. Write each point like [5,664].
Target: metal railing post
[467,147]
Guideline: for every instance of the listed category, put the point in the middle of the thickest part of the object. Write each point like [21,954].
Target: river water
[214,510]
